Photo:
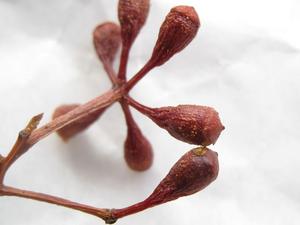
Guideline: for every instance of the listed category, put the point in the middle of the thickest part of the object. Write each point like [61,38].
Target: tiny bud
[107,39]
[137,149]
[176,32]
[194,171]
[194,124]
[132,16]
[77,126]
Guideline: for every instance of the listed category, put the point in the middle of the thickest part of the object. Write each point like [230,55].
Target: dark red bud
[177,31]
[194,171]
[77,126]
[137,149]
[107,39]
[194,124]
[132,16]
[199,125]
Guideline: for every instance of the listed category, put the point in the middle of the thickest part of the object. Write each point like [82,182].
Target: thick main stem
[104,214]
[92,106]
[30,136]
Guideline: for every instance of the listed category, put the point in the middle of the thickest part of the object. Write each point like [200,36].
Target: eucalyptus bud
[194,171]
[176,32]
[107,40]
[132,16]
[194,124]
[137,149]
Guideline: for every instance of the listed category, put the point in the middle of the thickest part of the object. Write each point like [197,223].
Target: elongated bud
[137,149]
[132,16]
[176,32]
[75,127]
[194,171]
[194,124]
[107,40]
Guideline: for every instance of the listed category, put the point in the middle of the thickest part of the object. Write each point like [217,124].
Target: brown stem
[128,116]
[30,135]
[104,214]
[110,72]
[92,106]
[138,106]
[138,76]
[118,80]
[123,63]
[19,146]
[138,207]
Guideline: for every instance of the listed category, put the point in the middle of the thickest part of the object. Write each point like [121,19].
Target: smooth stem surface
[139,107]
[138,207]
[118,80]
[94,105]
[123,62]
[128,116]
[30,135]
[110,72]
[11,191]
[138,76]
[19,146]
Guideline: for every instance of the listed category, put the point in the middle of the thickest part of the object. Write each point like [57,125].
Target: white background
[245,62]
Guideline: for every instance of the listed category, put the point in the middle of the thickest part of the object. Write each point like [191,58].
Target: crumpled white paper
[244,62]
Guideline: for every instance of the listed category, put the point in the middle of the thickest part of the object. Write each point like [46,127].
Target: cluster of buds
[193,124]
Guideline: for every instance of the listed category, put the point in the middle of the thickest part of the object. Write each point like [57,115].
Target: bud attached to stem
[194,171]
[137,149]
[177,31]
[194,124]
[132,16]
[138,152]
[77,126]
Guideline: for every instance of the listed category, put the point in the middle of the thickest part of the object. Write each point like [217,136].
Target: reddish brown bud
[193,172]
[107,39]
[199,125]
[194,124]
[177,31]
[137,149]
[132,16]
[77,126]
